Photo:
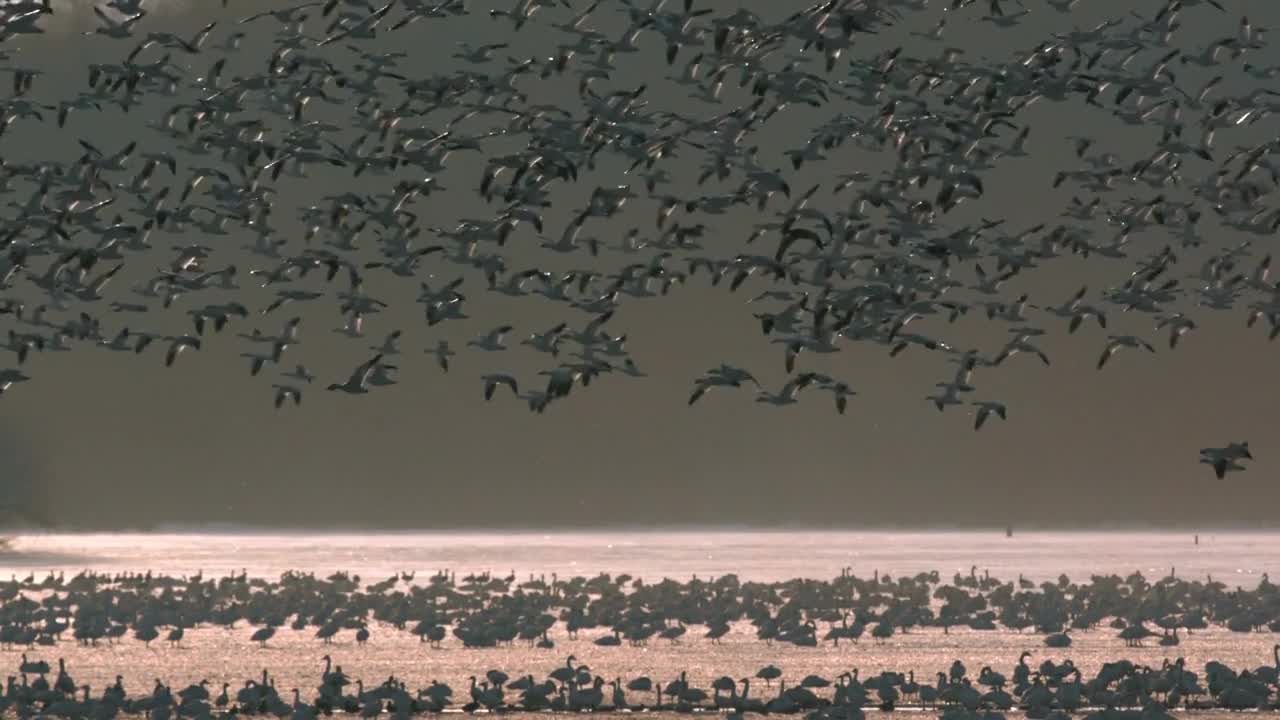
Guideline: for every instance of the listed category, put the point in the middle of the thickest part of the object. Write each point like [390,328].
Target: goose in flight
[548,342]
[442,353]
[286,392]
[986,409]
[1178,325]
[1076,311]
[590,334]
[1226,459]
[256,362]
[300,373]
[219,314]
[724,376]
[1233,451]
[176,347]
[112,28]
[126,7]
[949,395]
[1115,342]
[284,297]
[170,40]
[493,380]
[358,383]
[629,367]
[390,346]
[1020,343]
[789,393]
[381,376]
[9,378]
[22,344]
[841,391]
[284,16]
[119,343]
[560,381]
[492,340]
[480,54]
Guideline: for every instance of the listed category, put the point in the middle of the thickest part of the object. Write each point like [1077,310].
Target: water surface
[294,657]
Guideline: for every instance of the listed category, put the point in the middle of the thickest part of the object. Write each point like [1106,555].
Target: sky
[109,440]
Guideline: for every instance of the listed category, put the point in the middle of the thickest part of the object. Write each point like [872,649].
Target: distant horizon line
[646,529]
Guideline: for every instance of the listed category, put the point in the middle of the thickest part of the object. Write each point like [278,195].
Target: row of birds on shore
[487,611]
[237,129]
[1119,689]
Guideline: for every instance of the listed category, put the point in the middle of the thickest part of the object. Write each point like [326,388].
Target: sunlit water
[294,657]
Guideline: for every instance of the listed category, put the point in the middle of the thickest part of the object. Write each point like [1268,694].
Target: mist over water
[1235,558]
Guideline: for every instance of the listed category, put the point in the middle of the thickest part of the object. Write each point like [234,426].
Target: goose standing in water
[262,635]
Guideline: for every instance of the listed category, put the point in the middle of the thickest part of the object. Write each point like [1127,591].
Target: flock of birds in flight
[868,257]
[487,611]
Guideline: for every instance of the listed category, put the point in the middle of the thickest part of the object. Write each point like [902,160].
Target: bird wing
[364,372]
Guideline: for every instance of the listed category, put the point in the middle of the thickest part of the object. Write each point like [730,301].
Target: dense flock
[449,614]
[1119,691]
[487,610]
[613,162]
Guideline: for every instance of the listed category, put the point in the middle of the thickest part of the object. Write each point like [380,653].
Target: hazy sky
[108,439]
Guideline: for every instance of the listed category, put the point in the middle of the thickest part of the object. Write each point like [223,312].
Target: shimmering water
[1234,558]
[294,658]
